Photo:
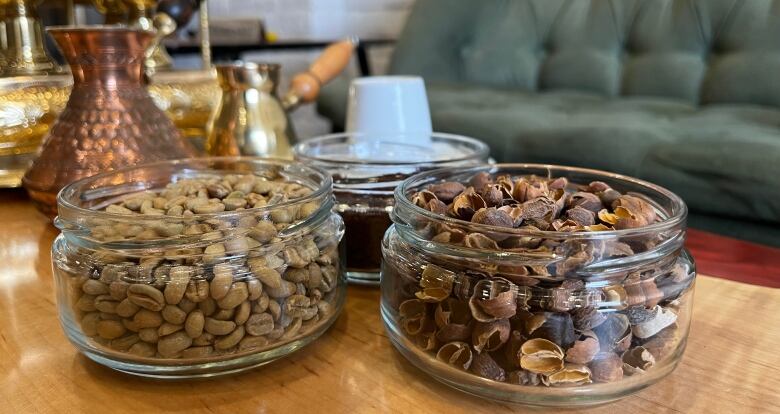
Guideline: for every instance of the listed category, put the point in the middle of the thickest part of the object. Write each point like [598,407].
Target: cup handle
[305,86]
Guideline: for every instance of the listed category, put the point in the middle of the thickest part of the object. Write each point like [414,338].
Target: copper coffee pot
[251,119]
[110,121]
[3,41]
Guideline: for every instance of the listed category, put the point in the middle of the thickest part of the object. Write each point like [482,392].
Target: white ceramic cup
[389,106]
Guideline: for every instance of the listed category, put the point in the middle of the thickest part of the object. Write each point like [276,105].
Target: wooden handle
[305,86]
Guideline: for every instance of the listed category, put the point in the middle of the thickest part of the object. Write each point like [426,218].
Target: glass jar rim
[403,203]
[66,196]
[302,150]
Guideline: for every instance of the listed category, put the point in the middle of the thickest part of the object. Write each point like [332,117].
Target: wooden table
[732,364]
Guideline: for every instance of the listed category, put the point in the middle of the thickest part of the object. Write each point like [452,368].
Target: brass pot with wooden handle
[251,119]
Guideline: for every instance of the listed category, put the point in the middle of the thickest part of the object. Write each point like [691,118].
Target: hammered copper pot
[110,121]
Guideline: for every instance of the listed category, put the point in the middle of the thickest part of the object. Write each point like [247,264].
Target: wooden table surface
[732,364]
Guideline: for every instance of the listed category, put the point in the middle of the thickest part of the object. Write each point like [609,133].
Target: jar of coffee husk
[538,284]
[366,169]
[198,267]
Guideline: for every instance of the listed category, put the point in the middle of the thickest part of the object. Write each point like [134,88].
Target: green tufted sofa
[684,93]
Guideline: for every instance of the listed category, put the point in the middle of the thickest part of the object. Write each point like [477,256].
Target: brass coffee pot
[22,36]
[251,119]
[142,14]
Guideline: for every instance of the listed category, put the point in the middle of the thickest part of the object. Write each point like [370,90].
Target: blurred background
[289,32]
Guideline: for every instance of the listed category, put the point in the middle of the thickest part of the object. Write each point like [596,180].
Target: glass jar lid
[379,163]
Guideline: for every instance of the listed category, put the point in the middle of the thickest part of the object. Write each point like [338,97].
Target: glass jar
[539,317]
[366,170]
[157,277]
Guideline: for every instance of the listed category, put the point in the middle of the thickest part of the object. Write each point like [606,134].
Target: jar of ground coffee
[366,170]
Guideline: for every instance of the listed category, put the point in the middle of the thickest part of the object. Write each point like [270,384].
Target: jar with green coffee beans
[198,267]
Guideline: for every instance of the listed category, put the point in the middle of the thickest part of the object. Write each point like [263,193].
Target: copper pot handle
[305,86]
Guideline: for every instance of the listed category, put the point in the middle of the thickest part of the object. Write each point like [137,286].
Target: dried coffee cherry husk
[422,198]
[674,283]
[413,313]
[493,299]
[555,327]
[454,332]
[455,236]
[447,191]
[437,206]
[452,310]
[613,330]
[492,217]
[492,194]
[523,377]
[525,189]
[480,180]
[520,319]
[566,225]
[571,374]
[584,349]
[520,276]
[606,367]
[662,343]
[634,293]
[457,354]
[436,284]
[614,248]
[640,210]
[624,343]
[615,297]
[480,241]
[506,184]
[412,308]
[585,200]
[576,253]
[598,186]
[486,367]
[512,349]
[419,326]
[560,299]
[605,193]
[639,314]
[581,216]
[537,210]
[466,204]
[586,318]
[427,340]
[515,211]
[561,197]
[541,356]
[453,318]
[559,183]
[489,336]
[663,317]
[637,360]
